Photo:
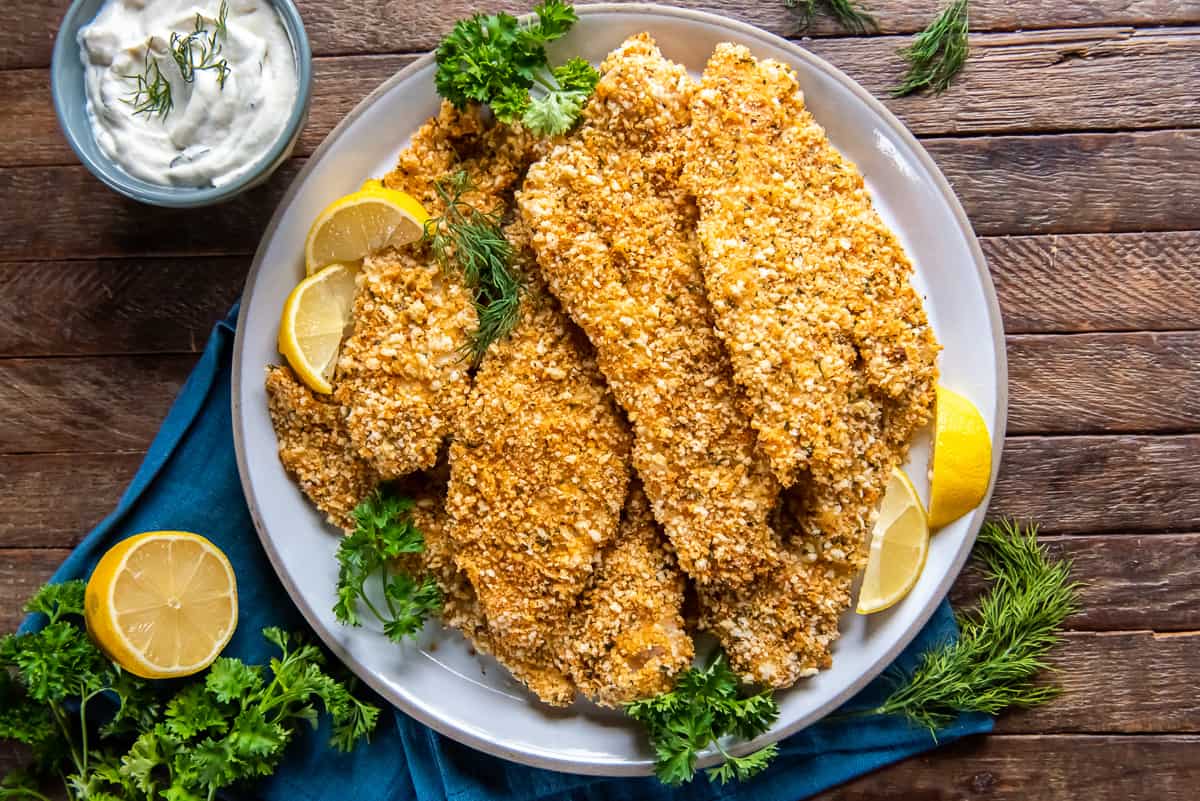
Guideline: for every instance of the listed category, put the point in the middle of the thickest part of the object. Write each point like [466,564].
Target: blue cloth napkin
[189,481]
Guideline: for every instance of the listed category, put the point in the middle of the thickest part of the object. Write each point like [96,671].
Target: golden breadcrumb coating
[810,289]
[615,238]
[827,336]
[315,448]
[627,638]
[402,375]
[538,470]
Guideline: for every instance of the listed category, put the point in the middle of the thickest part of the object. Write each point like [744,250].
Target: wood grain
[60,496]
[1135,382]
[87,405]
[1076,79]
[22,571]
[1073,183]
[374,26]
[1092,484]
[1041,767]
[1084,282]
[1096,282]
[1128,581]
[114,305]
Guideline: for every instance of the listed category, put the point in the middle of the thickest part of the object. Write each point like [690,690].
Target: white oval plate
[438,680]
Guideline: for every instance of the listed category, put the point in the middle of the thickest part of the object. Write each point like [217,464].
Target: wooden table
[1074,144]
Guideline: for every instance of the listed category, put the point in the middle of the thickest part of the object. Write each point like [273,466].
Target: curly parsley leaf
[501,61]
[705,706]
[56,600]
[384,529]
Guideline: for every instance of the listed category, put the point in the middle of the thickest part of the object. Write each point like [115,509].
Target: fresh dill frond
[846,12]
[705,706]
[938,53]
[1002,644]
[473,240]
[199,50]
[152,91]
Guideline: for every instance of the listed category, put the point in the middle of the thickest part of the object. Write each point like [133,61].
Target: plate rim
[634,767]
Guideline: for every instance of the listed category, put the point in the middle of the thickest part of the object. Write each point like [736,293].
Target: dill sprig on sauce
[845,12]
[198,51]
[1002,644]
[474,241]
[938,53]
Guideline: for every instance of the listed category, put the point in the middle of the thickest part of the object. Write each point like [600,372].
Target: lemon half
[899,544]
[961,466]
[361,223]
[162,604]
[315,318]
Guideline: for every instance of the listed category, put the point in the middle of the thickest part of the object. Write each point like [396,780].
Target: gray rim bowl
[70,105]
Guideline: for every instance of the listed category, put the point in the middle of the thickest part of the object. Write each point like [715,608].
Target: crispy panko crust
[315,448]
[829,339]
[627,638]
[810,289]
[461,609]
[402,375]
[614,236]
[538,470]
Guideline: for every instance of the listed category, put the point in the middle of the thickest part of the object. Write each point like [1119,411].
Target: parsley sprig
[706,705]
[501,61]
[473,240]
[1002,644]
[109,735]
[384,530]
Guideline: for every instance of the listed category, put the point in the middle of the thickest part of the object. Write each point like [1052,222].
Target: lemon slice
[962,459]
[162,604]
[315,318]
[361,223]
[898,547]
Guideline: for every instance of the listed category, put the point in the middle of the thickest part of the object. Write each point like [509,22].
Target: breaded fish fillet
[627,638]
[813,300]
[315,448]
[538,471]
[614,235]
[402,376]
[809,288]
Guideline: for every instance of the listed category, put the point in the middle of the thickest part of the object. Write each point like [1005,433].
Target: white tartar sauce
[217,124]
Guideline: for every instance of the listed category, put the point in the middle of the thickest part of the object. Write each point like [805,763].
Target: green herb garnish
[501,61]
[938,53]
[230,725]
[473,239]
[1002,644]
[198,51]
[846,12]
[705,706]
[384,530]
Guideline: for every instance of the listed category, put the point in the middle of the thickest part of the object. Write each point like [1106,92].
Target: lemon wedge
[899,544]
[361,223]
[162,604]
[961,466]
[315,318]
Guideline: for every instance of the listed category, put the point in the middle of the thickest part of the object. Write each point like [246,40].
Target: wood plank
[22,571]
[1045,283]
[1129,581]
[1075,183]
[1072,183]
[114,305]
[1044,767]
[368,26]
[87,405]
[1094,484]
[1096,282]
[1077,80]
[1135,382]
[45,489]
